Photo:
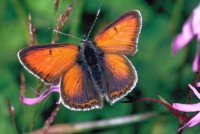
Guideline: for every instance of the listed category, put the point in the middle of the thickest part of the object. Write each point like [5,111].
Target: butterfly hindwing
[78,91]
[120,75]
[48,62]
[121,36]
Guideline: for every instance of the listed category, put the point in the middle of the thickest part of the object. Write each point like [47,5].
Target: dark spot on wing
[50,51]
[115,29]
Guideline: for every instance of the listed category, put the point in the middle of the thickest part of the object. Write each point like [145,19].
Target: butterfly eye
[84,37]
[84,40]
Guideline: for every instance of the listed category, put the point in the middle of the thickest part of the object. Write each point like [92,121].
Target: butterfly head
[85,40]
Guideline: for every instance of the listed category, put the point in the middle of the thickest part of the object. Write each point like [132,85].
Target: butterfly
[93,70]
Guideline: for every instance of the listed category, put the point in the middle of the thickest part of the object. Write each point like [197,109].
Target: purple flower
[31,101]
[190,108]
[190,29]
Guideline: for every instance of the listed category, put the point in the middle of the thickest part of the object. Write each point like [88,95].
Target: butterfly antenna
[54,30]
[94,21]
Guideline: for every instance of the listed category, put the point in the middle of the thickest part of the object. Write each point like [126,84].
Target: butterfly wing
[78,91]
[121,36]
[120,75]
[48,62]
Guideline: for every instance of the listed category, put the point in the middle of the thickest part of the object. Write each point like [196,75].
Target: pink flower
[190,29]
[31,101]
[190,108]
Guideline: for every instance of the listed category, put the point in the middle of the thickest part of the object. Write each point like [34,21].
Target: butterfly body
[91,59]
[94,70]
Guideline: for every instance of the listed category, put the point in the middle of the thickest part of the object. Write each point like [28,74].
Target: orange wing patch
[121,36]
[78,91]
[121,76]
[48,62]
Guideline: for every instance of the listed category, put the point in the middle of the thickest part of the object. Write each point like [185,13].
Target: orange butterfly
[94,70]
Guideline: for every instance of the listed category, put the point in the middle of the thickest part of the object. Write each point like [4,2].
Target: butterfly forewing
[48,62]
[121,36]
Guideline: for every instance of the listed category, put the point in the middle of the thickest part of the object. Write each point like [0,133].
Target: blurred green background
[159,72]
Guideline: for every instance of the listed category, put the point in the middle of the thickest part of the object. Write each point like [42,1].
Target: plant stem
[86,126]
